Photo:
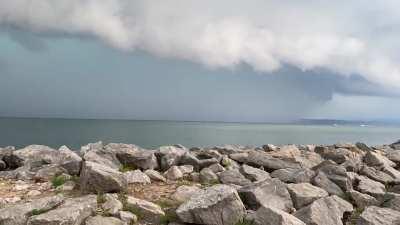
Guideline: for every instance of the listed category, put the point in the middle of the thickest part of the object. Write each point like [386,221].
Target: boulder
[190,159]
[186,169]
[363,147]
[173,173]
[217,205]
[184,193]
[99,178]
[170,156]
[392,200]
[208,176]
[259,158]
[335,173]
[376,175]
[373,215]
[111,205]
[136,177]
[324,211]
[18,214]
[375,159]
[3,165]
[362,200]
[254,174]
[148,212]
[101,220]
[70,161]
[73,211]
[102,157]
[216,168]
[394,156]
[304,194]
[233,177]
[396,145]
[322,181]
[273,216]
[138,158]
[128,217]
[155,175]
[267,193]
[370,187]
[47,172]
[292,175]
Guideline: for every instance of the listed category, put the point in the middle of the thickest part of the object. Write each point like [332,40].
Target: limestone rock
[217,205]
[173,173]
[324,211]
[18,214]
[254,174]
[71,161]
[112,205]
[322,181]
[292,175]
[392,200]
[98,178]
[305,193]
[136,177]
[370,187]
[101,220]
[233,177]
[155,175]
[184,192]
[273,216]
[150,213]
[362,200]
[259,159]
[208,176]
[267,193]
[128,217]
[73,211]
[375,159]
[170,156]
[379,216]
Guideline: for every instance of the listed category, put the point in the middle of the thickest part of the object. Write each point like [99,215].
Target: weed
[245,222]
[125,168]
[58,181]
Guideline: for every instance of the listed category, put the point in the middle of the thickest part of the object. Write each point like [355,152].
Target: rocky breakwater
[123,184]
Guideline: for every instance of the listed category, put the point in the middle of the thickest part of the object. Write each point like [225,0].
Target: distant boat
[335,125]
[363,125]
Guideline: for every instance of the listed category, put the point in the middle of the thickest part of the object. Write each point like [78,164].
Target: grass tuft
[58,181]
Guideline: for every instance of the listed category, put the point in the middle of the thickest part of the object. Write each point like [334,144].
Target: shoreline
[124,184]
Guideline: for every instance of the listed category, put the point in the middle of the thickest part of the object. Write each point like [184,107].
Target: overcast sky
[223,60]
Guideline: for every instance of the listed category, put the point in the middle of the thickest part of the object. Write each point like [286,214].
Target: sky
[242,61]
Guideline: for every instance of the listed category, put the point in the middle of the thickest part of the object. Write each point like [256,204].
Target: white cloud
[346,37]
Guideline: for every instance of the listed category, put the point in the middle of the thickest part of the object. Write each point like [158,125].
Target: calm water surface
[150,134]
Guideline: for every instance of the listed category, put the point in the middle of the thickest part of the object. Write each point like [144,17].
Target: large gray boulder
[254,174]
[362,200]
[136,177]
[101,220]
[155,175]
[267,193]
[233,177]
[170,156]
[379,216]
[392,200]
[111,204]
[322,181]
[190,158]
[376,159]
[208,176]
[324,211]
[148,212]
[370,187]
[18,214]
[273,216]
[304,193]
[335,173]
[292,175]
[99,178]
[102,157]
[217,205]
[74,211]
[184,193]
[376,175]
[133,156]
[396,145]
[70,161]
[260,158]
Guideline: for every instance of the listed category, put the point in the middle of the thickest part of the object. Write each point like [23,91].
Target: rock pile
[123,184]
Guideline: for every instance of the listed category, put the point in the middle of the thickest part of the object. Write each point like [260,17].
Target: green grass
[126,168]
[210,183]
[354,216]
[36,212]
[245,222]
[101,199]
[58,181]
[169,217]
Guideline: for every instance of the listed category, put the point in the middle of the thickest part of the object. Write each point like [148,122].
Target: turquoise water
[150,134]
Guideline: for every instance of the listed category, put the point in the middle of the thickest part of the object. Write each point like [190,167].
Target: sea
[20,132]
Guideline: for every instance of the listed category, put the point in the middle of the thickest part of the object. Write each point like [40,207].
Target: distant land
[383,122]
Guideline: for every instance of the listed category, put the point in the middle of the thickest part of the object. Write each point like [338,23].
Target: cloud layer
[344,37]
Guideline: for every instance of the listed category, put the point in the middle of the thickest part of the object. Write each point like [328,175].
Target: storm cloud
[344,37]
